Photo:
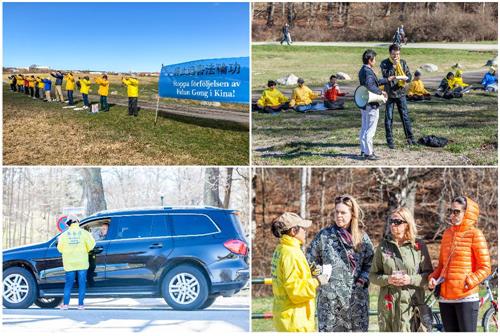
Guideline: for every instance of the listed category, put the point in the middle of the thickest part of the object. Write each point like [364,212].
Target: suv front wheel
[19,288]
[185,288]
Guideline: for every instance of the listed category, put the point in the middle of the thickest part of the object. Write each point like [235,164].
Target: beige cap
[292,220]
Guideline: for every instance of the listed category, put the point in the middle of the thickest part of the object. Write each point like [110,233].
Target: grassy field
[316,63]
[265,304]
[40,133]
[331,137]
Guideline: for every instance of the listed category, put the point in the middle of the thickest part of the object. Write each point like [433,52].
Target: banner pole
[157,105]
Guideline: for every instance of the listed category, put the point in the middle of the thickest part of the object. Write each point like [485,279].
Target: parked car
[187,255]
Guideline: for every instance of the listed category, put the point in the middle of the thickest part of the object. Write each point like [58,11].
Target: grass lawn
[316,63]
[331,137]
[40,133]
[265,304]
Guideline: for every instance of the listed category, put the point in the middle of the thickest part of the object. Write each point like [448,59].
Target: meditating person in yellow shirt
[272,100]
[417,89]
[302,99]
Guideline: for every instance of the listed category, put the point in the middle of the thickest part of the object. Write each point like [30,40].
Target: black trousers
[403,113]
[32,91]
[132,106]
[459,316]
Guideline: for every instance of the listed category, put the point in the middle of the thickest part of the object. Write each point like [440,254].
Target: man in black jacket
[394,66]
[370,114]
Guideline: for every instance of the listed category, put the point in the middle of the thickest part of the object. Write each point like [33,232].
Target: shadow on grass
[299,149]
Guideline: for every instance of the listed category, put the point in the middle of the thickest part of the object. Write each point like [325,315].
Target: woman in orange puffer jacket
[464,262]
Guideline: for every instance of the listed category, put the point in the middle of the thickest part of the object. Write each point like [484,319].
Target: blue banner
[224,80]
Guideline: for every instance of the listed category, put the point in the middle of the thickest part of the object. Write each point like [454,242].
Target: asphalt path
[128,317]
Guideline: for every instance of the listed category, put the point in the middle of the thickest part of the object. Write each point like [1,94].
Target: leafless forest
[310,192]
[34,198]
[376,21]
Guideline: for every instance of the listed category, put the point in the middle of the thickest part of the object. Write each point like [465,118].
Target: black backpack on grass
[433,141]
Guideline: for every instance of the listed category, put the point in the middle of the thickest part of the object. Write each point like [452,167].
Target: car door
[135,255]
[51,270]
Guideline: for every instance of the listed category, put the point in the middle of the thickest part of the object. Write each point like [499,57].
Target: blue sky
[122,36]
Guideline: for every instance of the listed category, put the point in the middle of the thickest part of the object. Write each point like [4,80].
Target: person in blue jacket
[47,87]
[490,81]
[370,114]
[59,76]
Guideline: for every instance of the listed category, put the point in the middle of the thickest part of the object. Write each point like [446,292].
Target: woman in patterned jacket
[342,304]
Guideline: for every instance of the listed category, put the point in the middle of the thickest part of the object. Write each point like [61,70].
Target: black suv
[189,256]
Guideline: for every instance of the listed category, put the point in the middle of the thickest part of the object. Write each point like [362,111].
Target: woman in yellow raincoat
[294,287]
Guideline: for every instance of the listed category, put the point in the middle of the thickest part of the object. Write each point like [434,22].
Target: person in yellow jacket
[84,90]
[417,90]
[103,91]
[31,85]
[75,244]
[132,85]
[294,286]
[302,98]
[20,83]
[39,87]
[458,81]
[70,87]
[272,100]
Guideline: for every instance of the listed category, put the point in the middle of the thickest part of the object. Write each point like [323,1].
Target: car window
[159,226]
[98,230]
[192,224]
[133,227]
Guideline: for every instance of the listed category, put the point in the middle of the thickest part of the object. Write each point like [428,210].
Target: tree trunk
[322,198]
[270,14]
[228,187]
[94,190]
[211,188]
[291,13]
[347,14]
[388,9]
[303,193]
[329,13]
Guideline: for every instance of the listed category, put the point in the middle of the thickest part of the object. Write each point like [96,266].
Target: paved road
[460,46]
[129,317]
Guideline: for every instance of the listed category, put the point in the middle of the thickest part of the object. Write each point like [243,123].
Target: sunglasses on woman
[396,222]
[454,212]
[342,199]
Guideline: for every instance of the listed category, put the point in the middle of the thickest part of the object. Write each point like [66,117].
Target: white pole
[157,105]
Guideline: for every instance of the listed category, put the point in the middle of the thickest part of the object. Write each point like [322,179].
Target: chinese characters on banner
[220,80]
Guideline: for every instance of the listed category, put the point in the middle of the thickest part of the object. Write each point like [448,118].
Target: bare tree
[228,187]
[93,189]
[211,189]
[270,14]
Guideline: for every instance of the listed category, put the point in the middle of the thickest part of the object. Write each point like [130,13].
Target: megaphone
[363,97]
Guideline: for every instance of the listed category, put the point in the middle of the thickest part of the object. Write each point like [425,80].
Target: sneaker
[63,307]
[81,307]
[372,157]
[391,145]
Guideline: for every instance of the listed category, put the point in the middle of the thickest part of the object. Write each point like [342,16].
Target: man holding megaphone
[396,67]
[370,112]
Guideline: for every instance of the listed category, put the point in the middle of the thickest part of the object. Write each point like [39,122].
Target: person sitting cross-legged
[417,89]
[302,97]
[272,100]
